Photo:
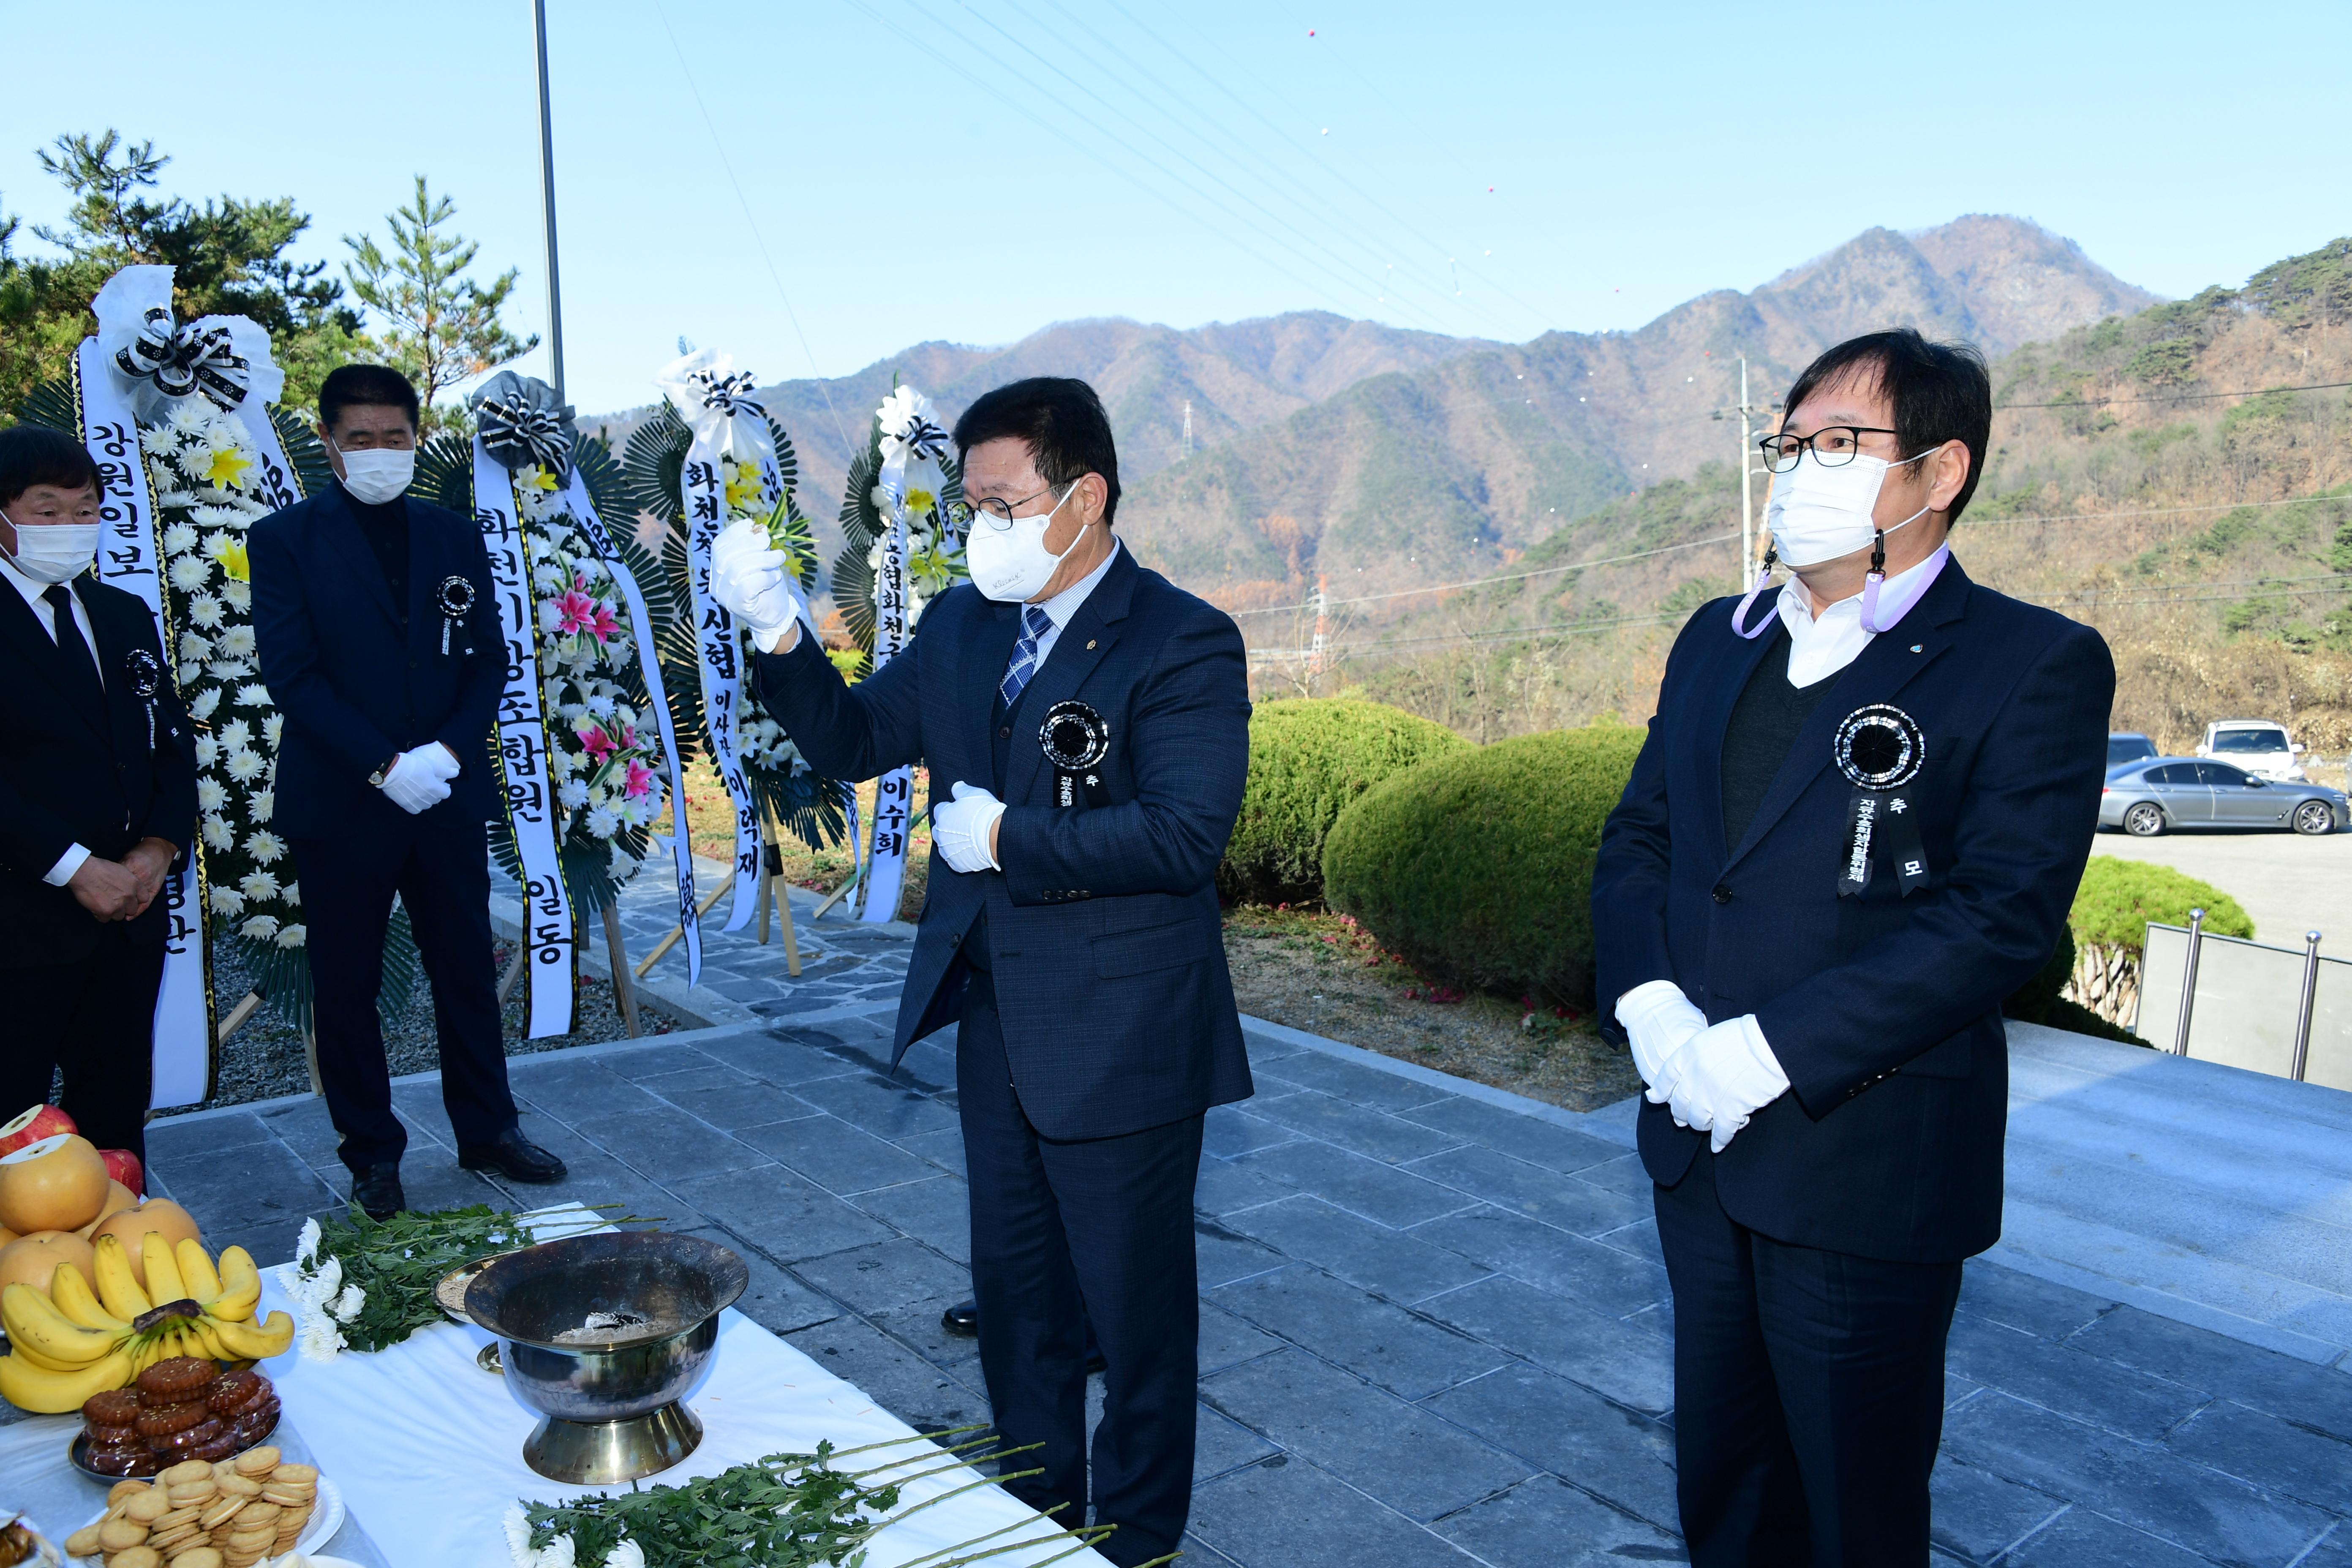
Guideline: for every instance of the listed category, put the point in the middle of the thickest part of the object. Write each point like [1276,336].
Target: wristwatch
[384,773]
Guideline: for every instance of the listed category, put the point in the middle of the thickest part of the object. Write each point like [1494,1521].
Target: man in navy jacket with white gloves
[1856,827]
[380,643]
[1079,945]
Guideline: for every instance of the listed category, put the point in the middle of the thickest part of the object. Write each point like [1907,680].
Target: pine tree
[442,327]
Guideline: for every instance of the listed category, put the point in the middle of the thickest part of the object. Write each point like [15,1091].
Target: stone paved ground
[1433,1329]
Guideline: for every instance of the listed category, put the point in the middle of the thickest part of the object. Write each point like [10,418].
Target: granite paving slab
[1433,1328]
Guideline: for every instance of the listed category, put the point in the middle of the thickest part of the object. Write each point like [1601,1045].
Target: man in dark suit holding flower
[380,643]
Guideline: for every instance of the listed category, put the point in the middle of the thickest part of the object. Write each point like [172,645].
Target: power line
[757,237]
[2181,397]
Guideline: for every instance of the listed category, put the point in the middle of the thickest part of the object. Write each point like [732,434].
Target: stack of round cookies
[228,1514]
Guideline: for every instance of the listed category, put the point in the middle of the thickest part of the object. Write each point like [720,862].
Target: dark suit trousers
[96,1019]
[1061,1233]
[1808,1392]
[441,871]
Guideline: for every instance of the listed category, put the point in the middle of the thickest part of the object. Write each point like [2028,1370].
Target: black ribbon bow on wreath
[1881,752]
[730,394]
[521,432]
[181,360]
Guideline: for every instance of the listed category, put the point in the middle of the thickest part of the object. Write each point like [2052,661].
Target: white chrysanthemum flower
[293,936]
[546,577]
[305,1243]
[190,573]
[246,766]
[216,544]
[262,803]
[260,927]
[239,595]
[226,902]
[179,539]
[188,672]
[557,1554]
[625,1554]
[219,835]
[258,885]
[236,642]
[517,1529]
[202,608]
[223,436]
[194,648]
[236,734]
[210,795]
[322,1341]
[600,705]
[602,822]
[227,669]
[254,694]
[265,848]
[292,894]
[347,1306]
[572,794]
[273,726]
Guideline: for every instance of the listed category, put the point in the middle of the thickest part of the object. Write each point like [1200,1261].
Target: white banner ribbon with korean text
[715,400]
[912,439]
[524,753]
[137,366]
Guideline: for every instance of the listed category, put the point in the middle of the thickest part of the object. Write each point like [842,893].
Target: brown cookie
[115,1408]
[174,1379]
[162,1420]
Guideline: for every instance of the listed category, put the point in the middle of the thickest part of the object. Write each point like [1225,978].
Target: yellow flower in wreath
[233,561]
[227,468]
[538,478]
[744,489]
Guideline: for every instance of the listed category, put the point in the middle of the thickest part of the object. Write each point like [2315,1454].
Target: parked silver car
[2166,793]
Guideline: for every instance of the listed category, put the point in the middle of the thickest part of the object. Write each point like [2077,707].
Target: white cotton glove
[1659,1021]
[443,762]
[1723,1077]
[960,827]
[749,578]
[416,781]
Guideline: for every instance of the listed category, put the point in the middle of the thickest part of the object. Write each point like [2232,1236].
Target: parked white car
[2258,745]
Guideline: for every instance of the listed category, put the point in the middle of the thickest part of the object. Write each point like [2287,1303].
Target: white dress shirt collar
[1063,608]
[1820,646]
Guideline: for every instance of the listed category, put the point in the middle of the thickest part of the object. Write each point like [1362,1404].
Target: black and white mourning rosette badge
[454,600]
[1881,752]
[142,674]
[1075,739]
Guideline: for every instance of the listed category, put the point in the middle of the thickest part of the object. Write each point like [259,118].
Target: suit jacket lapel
[20,624]
[111,645]
[985,647]
[1712,721]
[1081,647]
[336,524]
[1880,673]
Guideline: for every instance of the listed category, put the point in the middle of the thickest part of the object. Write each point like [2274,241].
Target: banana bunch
[76,1341]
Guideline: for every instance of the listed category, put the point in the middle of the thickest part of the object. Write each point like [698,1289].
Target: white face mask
[55,551]
[377,474]
[1011,564]
[1818,514]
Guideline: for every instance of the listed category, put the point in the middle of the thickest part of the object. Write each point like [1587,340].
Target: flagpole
[547,193]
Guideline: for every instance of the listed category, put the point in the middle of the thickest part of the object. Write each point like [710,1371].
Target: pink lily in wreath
[640,781]
[575,612]
[599,745]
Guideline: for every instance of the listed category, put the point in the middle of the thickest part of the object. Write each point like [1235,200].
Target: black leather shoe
[375,1190]
[514,1157]
[963,1320]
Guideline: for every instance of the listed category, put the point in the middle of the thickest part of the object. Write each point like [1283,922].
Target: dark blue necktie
[81,669]
[1035,624]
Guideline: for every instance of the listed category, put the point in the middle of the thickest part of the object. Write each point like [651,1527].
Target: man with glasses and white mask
[1855,828]
[1087,728]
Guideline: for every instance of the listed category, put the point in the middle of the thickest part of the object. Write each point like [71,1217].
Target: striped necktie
[1035,624]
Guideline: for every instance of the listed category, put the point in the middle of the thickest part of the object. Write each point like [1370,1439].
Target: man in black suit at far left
[100,804]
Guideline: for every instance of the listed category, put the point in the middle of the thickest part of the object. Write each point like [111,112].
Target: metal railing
[2251,984]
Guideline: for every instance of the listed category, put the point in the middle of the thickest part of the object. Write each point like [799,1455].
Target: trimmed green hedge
[2118,898]
[1309,759]
[1477,868]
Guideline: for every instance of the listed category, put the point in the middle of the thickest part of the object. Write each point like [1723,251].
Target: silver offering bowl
[608,1393]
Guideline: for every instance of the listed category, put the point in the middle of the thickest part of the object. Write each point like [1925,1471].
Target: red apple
[41,1122]
[124,1167]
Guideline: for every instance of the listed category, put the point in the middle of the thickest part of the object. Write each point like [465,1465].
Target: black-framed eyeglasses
[962,514]
[1833,446]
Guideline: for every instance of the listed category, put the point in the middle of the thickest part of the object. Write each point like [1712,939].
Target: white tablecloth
[428,1447]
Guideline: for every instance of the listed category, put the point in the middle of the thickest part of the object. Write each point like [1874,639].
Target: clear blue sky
[920,169]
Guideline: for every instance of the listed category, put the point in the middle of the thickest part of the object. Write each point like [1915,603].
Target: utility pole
[1747,481]
[547,196]
[1314,653]
[1188,426]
